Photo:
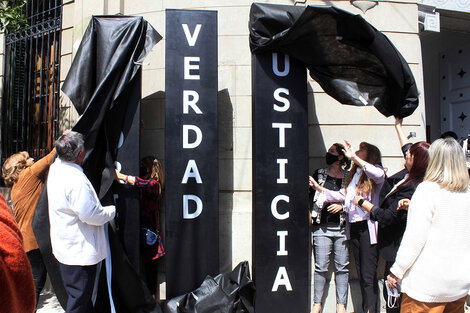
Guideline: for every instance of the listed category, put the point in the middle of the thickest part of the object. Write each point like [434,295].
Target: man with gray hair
[77,221]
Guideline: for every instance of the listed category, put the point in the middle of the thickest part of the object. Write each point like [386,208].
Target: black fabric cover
[130,294]
[226,293]
[104,85]
[41,228]
[346,55]
[101,83]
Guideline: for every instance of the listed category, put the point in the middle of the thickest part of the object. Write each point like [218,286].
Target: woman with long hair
[432,262]
[328,229]
[26,179]
[391,218]
[151,183]
[365,178]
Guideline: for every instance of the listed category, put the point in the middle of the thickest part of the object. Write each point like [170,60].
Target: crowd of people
[417,221]
[77,223]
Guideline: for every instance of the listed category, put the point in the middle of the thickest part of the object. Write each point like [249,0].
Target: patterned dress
[149,203]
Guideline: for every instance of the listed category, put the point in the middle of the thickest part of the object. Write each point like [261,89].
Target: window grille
[30,108]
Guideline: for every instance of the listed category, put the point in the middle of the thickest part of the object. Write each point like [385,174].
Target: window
[30,108]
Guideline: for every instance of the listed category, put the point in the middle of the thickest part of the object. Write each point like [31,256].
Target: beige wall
[328,120]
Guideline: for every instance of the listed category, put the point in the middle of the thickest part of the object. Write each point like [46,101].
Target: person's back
[77,223]
[433,259]
[442,269]
[25,194]
[77,232]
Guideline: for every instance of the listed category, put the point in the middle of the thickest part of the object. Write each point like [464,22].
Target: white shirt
[76,216]
[433,260]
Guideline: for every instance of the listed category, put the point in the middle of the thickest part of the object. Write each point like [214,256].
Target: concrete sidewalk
[48,303]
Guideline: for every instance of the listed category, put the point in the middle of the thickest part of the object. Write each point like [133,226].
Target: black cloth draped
[352,61]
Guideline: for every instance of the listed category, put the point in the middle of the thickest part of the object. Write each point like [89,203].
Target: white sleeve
[85,203]
[420,215]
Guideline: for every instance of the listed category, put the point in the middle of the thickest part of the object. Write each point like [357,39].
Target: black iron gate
[30,108]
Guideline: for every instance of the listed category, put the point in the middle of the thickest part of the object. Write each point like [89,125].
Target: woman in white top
[433,261]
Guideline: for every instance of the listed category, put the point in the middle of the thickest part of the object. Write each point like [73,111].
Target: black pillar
[191,147]
[280,185]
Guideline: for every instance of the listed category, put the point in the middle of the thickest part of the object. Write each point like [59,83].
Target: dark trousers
[39,271]
[150,273]
[78,283]
[366,256]
[388,265]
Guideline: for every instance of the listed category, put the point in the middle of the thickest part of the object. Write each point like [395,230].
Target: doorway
[446,72]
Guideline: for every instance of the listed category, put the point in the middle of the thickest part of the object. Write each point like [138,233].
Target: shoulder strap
[346,172]
[322,175]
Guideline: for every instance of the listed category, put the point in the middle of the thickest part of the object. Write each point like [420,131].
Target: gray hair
[69,145]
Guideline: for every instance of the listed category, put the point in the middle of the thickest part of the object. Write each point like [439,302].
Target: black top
[331,183]
[392,222]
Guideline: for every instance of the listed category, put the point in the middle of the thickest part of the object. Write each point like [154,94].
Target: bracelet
[127,179]
[360,202]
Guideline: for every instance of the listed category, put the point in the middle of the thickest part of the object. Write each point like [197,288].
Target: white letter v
[191,38]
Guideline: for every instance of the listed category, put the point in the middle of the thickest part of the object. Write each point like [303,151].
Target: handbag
[320,197]
[153,241]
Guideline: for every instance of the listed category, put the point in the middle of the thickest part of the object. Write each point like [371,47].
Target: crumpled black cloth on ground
[353,62]
[104,84]
[226,293]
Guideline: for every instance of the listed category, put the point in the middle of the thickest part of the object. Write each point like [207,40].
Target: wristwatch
[360,202]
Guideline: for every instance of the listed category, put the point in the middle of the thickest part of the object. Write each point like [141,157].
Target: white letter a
[282,279]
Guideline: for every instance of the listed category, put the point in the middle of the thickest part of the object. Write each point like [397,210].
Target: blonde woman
[432,262]
[26,179]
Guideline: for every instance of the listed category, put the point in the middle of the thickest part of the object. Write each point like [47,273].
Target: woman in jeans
[365,178]
[328,230]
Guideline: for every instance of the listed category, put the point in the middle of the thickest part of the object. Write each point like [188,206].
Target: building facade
[401,21]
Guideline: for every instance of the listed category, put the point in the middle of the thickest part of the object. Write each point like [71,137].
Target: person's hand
[120,176]
[392,281]
[403,204]
[310,181]
[356,200]
[313,183]
[348,150]
[334,208]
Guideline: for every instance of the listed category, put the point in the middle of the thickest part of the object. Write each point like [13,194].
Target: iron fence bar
[24,91]
[46,92]
[28,101]
[56,80]
[32,64]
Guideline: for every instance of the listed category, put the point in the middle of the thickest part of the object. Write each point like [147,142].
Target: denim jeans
[327,241]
